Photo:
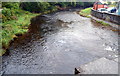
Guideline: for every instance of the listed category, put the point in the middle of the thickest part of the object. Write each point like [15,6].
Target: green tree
[35,6]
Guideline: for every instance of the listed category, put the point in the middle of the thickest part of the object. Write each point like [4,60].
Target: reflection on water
[57,43]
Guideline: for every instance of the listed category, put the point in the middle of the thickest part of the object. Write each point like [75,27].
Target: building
[98,5]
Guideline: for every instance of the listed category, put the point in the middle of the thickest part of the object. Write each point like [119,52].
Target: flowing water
[59,42]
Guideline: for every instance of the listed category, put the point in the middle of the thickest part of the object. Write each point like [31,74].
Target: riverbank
[104,23]
[11,29]
[16,23]
[87,13]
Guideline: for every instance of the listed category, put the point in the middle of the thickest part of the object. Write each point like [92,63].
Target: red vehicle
[98,5]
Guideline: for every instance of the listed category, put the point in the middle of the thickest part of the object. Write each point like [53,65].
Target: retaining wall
[106,16]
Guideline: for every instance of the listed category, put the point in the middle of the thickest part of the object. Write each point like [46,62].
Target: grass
[85,12]
[13,27]
[103,23]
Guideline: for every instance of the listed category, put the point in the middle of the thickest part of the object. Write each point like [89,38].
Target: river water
[59,42]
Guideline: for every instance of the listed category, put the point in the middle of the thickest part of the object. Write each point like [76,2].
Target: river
[59,42]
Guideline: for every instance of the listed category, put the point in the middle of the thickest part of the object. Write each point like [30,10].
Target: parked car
[103,10]
[112,10]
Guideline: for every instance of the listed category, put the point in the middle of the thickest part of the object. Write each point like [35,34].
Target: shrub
[10,5]
[11,14]
[6,14]
[35,6]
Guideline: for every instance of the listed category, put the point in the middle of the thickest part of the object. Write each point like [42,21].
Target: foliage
[88,4]
[11,14]
[62,4]
[47,6]
[11,5]
[35,6]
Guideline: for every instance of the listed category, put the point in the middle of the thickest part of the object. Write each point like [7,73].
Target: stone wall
[106,16]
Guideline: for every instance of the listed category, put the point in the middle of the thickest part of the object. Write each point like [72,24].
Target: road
[58,43]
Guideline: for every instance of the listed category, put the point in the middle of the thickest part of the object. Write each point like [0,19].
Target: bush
[52,8]
[10,5]
[7,14]
[35,6]
[11,14]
